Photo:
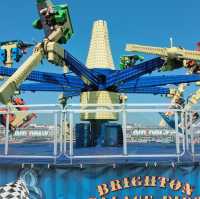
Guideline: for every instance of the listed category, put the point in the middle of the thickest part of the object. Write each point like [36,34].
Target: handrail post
[186,130]
[192,135]
[55,133]
[177,134]
[65,133]
[71,152]
[7,132]
[61,131]
[183,131]
[124,124]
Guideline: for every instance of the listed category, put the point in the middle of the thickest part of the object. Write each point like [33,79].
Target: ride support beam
[160,81]
[10,86]
[146,90]
[87,75]
[47,87]
[45,77]
[173,52]
[134,72]
[59,56]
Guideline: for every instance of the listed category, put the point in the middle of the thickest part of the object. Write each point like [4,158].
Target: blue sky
[149,22]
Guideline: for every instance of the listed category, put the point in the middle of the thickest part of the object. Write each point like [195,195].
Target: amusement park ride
[94,84]
[47,163]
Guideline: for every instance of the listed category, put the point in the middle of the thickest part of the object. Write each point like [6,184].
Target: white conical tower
[100,55]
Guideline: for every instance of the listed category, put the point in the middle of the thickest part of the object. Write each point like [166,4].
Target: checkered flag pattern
[16,190]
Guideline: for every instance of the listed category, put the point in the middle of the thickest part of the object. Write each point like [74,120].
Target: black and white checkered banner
[16,190]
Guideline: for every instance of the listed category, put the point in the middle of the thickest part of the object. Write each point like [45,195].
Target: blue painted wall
[122,182]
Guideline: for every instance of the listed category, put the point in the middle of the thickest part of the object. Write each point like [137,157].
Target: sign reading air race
[170,188]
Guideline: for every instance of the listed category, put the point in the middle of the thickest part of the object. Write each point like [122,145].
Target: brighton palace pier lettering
[174,188]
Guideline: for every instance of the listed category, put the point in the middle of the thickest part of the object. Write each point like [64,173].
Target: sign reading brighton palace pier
[125,181]
[170,188]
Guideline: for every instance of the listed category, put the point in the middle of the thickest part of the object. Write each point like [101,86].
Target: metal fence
[52,133]
[27,142]
[125,111]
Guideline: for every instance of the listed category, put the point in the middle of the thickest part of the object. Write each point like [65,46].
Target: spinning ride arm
[46,77]
[132,73]
[47,87]
[59,56]
[172,52]
[7,90]
[175,57]
[59,88]
[10,86]
[146,90]
[55,21]
[160,81]
[56,31]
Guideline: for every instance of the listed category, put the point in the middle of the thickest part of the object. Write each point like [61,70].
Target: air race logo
[172,188]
